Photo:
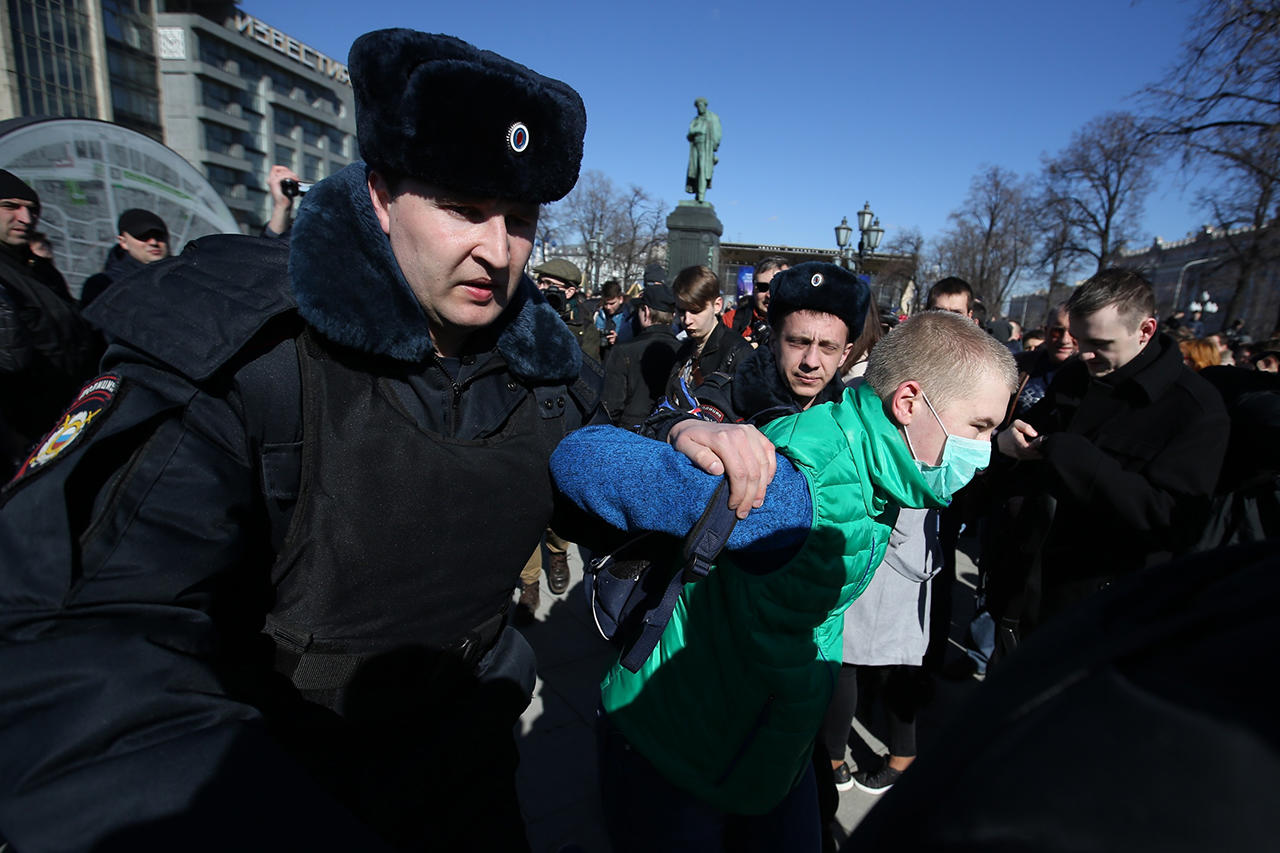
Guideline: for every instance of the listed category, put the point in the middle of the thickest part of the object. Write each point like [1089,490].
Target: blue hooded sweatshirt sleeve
[638,484]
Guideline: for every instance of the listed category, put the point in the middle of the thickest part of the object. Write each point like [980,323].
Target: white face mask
[962,459]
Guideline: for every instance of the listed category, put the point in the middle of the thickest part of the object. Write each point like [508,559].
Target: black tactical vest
[401,538]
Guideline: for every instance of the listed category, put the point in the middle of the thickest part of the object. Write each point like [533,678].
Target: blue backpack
[634,589]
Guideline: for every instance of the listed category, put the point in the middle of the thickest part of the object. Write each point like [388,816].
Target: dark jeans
[644,812]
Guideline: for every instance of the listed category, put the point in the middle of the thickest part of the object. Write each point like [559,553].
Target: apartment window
[311,167]
[284,122]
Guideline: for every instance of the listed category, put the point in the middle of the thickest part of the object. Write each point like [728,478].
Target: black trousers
[898,687]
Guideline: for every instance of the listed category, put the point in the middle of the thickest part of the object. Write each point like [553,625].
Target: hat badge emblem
[816,280]
[518,137]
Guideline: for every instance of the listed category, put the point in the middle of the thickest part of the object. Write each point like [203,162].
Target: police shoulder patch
[708,412]
[84,414]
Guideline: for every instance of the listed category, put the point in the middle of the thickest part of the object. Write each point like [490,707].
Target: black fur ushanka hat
[437,108]
[822,287]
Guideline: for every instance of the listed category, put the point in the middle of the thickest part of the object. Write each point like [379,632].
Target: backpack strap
[701,546]
[270,390]
[585,391]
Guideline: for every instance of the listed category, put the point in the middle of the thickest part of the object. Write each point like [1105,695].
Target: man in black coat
[1121,456]
[251,595]
[141,238]
[50,350]
[635,375]
[559,280]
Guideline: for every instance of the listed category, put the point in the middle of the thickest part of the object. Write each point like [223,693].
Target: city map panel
[87,172]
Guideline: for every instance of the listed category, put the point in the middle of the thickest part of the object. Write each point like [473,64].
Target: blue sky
[824,106]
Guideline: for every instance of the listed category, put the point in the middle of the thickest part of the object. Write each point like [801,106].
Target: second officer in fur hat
[253,586]
[816,313]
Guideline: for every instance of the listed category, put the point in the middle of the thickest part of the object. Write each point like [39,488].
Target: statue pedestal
[693,238]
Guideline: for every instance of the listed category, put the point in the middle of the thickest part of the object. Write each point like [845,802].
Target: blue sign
[746,281]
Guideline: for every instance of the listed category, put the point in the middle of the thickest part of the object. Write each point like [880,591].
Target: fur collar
[349,287]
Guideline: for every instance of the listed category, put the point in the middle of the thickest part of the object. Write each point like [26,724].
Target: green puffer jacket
[729,703]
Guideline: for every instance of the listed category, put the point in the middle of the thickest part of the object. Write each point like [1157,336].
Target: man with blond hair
[708,742]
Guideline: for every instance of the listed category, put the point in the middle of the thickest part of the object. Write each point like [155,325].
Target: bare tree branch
[991,241]
[1221,106]
[1097,186]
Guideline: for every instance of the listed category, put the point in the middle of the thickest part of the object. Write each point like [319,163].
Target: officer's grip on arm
[737,451]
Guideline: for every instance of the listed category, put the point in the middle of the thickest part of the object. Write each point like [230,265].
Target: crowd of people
[277,504]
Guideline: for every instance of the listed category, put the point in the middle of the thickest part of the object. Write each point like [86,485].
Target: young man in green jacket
[708,745]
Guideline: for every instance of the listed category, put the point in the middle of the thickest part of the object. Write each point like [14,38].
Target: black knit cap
[136,222]
[11,186]
[822,287]
[659,297]
[439,109]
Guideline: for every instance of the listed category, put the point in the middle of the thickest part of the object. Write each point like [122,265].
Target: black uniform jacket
[1132,460]
[56,348]
[136,562]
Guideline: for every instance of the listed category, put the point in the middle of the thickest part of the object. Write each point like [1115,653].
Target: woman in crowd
[1199,353]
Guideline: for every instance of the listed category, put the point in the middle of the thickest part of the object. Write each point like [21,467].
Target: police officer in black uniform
[46,349]
[250,593]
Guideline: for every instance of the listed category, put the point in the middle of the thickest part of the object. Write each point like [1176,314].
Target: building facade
[81,59]
[738,260]
[1205,269]
[240,95]
[227,91]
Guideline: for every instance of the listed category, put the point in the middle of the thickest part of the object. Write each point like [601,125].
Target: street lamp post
[869,234]
[1177,291]
[1204,304]
[593,252]
[844,255]
[606,249]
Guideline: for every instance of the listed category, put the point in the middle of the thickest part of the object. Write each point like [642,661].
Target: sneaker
[557,572]
[843,777]
[876,781]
